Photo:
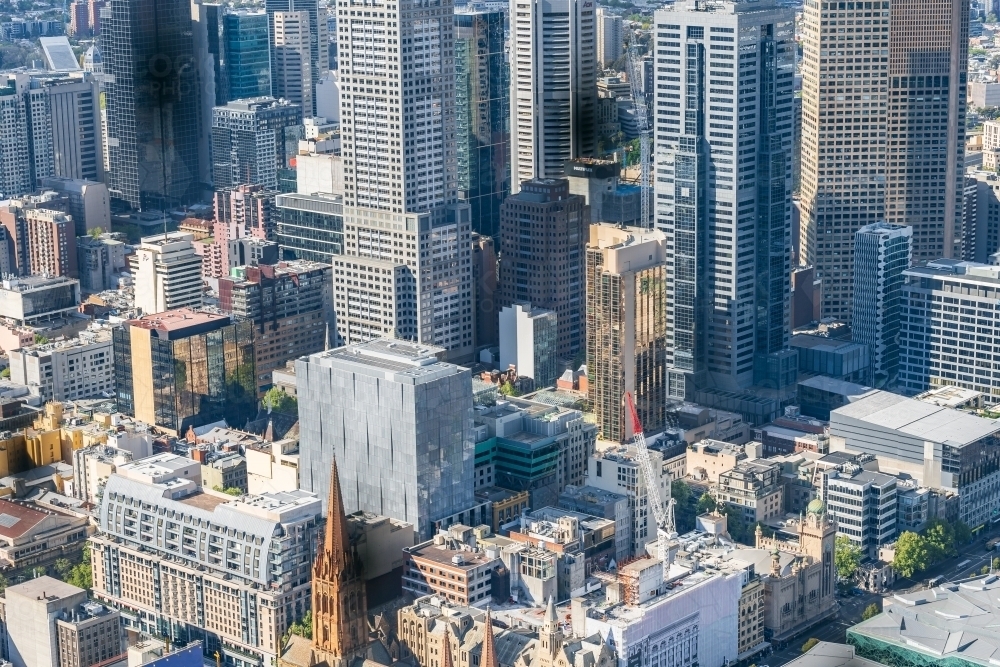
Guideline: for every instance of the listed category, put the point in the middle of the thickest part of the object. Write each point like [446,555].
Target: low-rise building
[224,473]
[81,367]
[708,459]
[272,467]
[37,300]
[617,469]
[605,504]
[380,542]
[450,570]
[32,535]
[50,622]
[506,505]
[863,502]
[753,487]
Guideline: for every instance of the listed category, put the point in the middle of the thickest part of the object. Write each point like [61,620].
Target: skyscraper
[543,240]
[248,141]
[247,54]
[399,423]
[844,76]
[609,37]
[881,253]
[482,115]
[312,27]
[723,191]
[152,103]
[167,273]
[928,58]
[292,66]
[553,86]
[626,327]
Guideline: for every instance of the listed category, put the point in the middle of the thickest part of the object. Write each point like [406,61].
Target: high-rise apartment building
[310,227]
[167,273]
[484,279]
[69,370]
[79,26]
[723,142]
[843,155]
[399,423]
[251,207]
[482,115]
[248,141]
[152,111]
[609,37]
[309,24]
[292,67]
[290,306]
[881,253]
[543,240]
[227,594]
[948,304]
[528,342]
[626,328]
[183,368]
[553,86]
[51,243]
[57,116]
[98,260]
[928,59]
[247,54]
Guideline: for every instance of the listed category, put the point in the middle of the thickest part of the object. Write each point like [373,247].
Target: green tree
[977,51]
[812,641]
[63,567]
[278,400]
[736,523]
[963,534]
[991,18]
[706,503]
[40,339]
[3,583]
[680,492]
[940,539]
[302,627]
[912,554]
[985,569]
[870,611]
[96,232]
[5,373]
[847,557]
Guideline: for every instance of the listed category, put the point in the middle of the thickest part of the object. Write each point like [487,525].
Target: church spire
[446,650]
[336,540]
[489,656]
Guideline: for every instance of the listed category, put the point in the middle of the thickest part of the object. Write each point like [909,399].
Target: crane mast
[663,513]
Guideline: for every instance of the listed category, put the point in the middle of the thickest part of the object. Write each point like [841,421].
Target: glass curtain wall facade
[482,115]
[248,54]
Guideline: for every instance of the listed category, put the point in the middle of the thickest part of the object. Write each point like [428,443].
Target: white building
[948,331]
[553,86]
[881,254]
[617,469]
[694,623]
[167,273]
[89,202]
[81,367]
[293,75]
[15,152]
[609,37]
[319,173]
[528,338]
[991,142]
[723,155]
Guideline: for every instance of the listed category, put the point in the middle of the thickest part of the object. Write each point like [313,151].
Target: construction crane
[642,123]
[662,513]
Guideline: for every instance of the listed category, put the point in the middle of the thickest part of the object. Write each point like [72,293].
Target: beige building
[708,459]
[200,570]
[430,628]
[33,535]
[167,273]
[800,587]
[456,574]
[225,472]
[272,467]
[991,144]
[626,327]
[754,487]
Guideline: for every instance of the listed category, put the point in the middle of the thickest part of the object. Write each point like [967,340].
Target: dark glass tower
[248,54]
[152,102]
[482,116]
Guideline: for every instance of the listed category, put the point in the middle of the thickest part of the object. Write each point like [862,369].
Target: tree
[5,373]
[809,644]
[736,523]
[3,583]
[940,539]
[303,627]
[40,339]
[870,611]
[680,492]
[96,232]
[63,567]
[963,534]
[847,557]
[912,555]
[706,503]
[277,400]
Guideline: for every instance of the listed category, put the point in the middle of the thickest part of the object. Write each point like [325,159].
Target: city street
[851,608]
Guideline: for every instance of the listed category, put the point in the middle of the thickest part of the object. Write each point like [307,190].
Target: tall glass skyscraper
[152,103]
[248,54]
[724,78]
[482,115]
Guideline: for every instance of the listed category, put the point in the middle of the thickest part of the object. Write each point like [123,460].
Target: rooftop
[953,622]
[179,320]
[444,556]
[918,419]
[957,270]
[27,283]
[835,386]
[17,519]
[829,654]
[949,396]
[400,361]
[43,587]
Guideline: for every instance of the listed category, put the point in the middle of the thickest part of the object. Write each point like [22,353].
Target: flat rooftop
[918,419]
[443,555]
[44,588]
[398,360]
[176,320]
[203,501]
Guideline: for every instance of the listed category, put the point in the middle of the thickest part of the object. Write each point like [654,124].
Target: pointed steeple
[336,539]
[550,616]
[489,656]
[446,650]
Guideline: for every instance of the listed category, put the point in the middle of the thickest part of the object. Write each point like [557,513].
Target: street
[851,608]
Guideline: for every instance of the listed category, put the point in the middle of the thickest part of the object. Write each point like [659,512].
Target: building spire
[446,649]
[550,616]
[489,656]
[336,540]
